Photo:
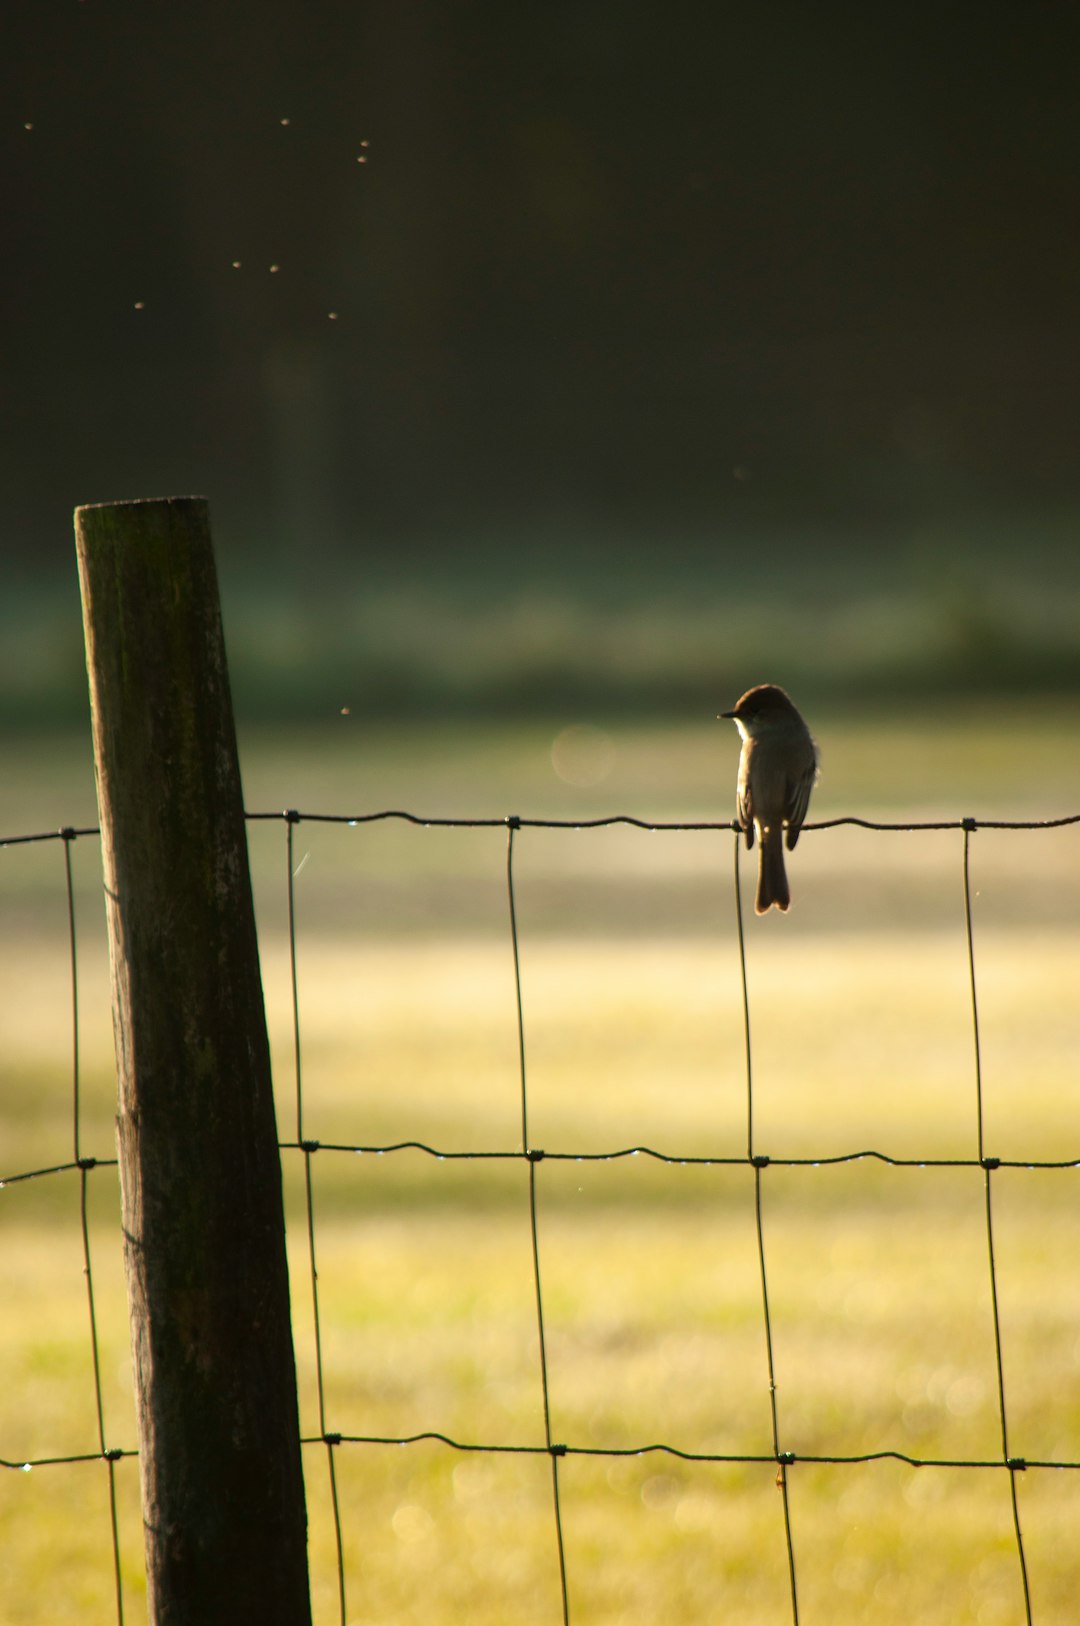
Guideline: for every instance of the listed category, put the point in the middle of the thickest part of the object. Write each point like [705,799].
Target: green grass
[516,625]
[878,1277]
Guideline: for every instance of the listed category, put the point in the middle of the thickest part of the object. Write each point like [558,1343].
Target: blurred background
[540,359]
[555,372]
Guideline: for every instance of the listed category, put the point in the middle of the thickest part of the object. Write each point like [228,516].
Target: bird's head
[761,708]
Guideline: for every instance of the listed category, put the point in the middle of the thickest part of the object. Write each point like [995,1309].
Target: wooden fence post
[200,1173]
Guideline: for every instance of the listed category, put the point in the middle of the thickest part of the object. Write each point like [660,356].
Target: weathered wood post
[222,1484]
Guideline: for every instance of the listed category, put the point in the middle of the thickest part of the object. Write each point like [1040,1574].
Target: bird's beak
[721,714]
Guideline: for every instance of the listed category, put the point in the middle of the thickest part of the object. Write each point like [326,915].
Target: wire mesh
[532,1158]
[86,1167]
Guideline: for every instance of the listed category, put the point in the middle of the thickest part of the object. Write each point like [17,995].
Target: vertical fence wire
[513,824]
[67,836]
[535,1156]
[969,828]
[989,1164]
[745,999]
[759,1163]
[1015,1465]
[85,1165]
[292,818]
[308,1148]
[783,1458]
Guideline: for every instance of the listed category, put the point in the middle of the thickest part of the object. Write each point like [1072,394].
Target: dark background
[729,334]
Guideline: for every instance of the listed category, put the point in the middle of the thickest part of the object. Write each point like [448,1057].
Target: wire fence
[85,1166]
[531,1159]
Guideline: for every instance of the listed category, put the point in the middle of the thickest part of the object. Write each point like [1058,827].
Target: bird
[777,770]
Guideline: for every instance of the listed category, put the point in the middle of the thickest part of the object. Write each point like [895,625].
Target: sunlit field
[878,1276]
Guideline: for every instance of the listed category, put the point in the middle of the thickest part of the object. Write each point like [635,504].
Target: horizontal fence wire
[532,1158]
[759,1160]
[606,821]
[521,822]
[836,1459]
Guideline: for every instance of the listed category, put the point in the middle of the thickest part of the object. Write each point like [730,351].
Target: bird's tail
[772,884]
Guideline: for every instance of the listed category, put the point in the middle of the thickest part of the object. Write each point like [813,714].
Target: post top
[136,502]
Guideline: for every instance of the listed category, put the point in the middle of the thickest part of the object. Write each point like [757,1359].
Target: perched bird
[777,770]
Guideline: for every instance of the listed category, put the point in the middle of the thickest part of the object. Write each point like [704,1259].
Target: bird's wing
[798,802]
[744,805]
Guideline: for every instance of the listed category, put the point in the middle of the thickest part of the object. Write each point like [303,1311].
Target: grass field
[878,1277]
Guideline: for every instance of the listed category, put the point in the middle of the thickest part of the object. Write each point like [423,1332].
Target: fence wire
[85,1167]
[531,1158]
[759,1162]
